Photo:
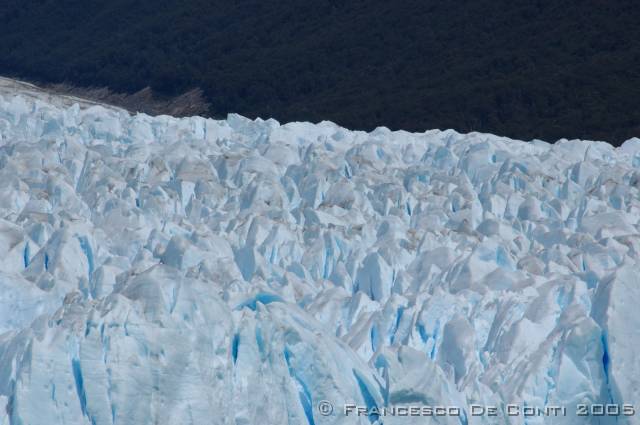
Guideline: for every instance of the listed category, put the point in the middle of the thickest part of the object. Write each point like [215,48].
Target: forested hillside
[520,68]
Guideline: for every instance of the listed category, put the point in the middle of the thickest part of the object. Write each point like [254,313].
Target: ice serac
[156,270]
[616,310]
[168,349]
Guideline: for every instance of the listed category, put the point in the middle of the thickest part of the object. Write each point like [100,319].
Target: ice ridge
[156,270]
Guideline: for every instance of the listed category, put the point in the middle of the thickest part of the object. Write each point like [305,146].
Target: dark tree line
[521,68]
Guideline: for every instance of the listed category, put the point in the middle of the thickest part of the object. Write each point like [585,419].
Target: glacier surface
[156,270]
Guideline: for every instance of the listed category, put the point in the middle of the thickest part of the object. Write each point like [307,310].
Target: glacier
[156,270]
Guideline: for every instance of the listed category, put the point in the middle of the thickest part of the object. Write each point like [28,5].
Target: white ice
[156,270]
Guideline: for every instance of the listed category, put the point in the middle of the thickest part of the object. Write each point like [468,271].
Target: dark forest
[524,69]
